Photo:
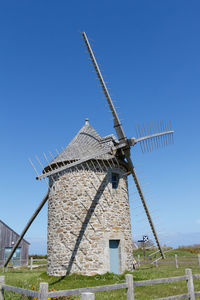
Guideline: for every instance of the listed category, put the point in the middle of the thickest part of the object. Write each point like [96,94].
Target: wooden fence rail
[32,260]
[43,293]
[176,260]
[94,289]
[88,293]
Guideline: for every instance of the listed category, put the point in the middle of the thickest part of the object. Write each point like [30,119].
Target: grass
[31,279]
[179,252]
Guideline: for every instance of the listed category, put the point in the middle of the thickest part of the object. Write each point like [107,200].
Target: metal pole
[27,227]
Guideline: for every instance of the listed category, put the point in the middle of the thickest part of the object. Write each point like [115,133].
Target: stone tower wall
[84,213]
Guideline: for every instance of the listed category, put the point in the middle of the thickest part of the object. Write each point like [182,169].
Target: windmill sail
[73,164]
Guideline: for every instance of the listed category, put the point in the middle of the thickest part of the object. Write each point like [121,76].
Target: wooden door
[114,256]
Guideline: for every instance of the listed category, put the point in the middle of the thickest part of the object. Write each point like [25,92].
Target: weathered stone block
[83,215]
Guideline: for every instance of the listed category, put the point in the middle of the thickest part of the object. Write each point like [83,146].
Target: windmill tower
[89,228]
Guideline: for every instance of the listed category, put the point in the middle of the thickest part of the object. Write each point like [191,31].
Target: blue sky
[149,54]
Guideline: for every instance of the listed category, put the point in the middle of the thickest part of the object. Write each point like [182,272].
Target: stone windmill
[89,229]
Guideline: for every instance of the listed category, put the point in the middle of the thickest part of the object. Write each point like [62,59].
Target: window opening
[115,180]
[16,259]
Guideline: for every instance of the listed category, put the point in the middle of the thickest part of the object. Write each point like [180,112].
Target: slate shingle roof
[86,142]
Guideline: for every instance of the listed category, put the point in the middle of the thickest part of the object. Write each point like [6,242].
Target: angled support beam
[139,189]
[27,227]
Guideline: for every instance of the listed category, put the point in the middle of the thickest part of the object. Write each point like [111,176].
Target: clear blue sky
[150,56]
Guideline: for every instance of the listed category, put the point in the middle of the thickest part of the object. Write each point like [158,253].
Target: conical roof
[86,142]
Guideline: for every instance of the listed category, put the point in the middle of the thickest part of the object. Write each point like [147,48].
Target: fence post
[190,284]
[2,281]
[87,296]
[31,264]
[138,260]
[199,259]
[130,287]
[176,260]
[43,292]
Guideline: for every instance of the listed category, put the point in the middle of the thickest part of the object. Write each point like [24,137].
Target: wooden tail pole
[27,227]
[147,213]
[139,189]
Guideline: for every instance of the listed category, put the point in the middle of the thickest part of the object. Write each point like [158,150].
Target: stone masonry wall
[84,213]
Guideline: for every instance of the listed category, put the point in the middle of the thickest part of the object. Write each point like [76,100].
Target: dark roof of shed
[13,231]
[86,142]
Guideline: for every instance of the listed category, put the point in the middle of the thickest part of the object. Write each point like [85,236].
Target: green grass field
[172,252]
[31,280]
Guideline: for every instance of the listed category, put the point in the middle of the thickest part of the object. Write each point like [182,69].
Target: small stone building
[89,229]
[8,238]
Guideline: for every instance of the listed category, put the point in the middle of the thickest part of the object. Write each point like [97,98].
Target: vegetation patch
[31,279]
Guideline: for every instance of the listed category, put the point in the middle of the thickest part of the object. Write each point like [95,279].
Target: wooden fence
[88,293]
[174,260]
[31,264]
[16,262]
[36,262]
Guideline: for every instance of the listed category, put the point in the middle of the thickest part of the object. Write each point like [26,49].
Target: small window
[115,180]
[16,259]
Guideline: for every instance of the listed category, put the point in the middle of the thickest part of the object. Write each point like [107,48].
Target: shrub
[192,249]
